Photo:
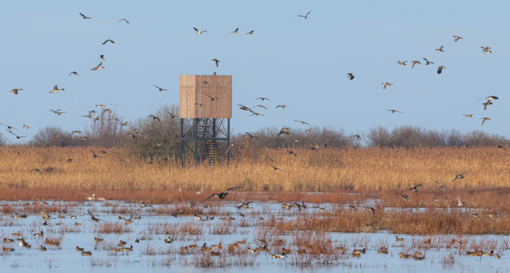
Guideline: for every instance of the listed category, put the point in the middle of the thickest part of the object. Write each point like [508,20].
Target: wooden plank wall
[196,88]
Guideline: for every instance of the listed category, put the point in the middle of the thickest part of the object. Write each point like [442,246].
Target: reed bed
[326,170]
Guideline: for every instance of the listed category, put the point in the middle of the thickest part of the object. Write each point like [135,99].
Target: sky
[302,63]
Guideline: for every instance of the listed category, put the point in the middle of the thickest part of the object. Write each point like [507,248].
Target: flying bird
[36,170]
[98,66]
[459,204]
[74,73]
[57,112]
[248,135]
[501,147]
[235,31]
[428,61]
[302,122]
[489,98]
[15,91]
[56,89]
[371,225]
[213,98]
[109,40]
[440,69]
[440,49]
[405,196]
[458,176]
[123,20]
[94,154]
[281,106]
[8,127]
[457,38]
[76,132]
[485,104]
[275,168]
[486,49]
[261,106]
[198,31]
[402,63]
[85,17]
[221,195]
[415,188]
[484,119]
[350,76]
[386,84]
[260,98]
[414,63]
[292,153]
[154,117]
[250,33]
[133,136]
[393,111]
[93,217]
[159,88]
[101,57]
[468,116]
[304,16]
[216,61]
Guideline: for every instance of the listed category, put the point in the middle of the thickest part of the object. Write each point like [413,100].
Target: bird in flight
[457,38]
[459,204]
[133,136]
[56,89]
[405,196]
[260,98]
[250,136]
[198,31]
[485,104]
[94,154]
[216,61]
[76,132]
[393,111]
[386,84]
[154,117]
[109,40]
[486,49]
[250,33]
[243,107]
[261,106]
[16,90]
[501,147]
[484,119]
[281,106]
[440,69]
[213,98]
[292,153]
[101,57]
[356,136]
[57,112]
[402,63]
[276,168]
[428,61]
[221,195]
[123,20]
[26,126]
[159,88]
[100,105]
[458,176]
[440,49]
[74,73]
[414,63]
[98,66]
[199,104]
[302,122]
[8,127]
[304,16]
[415,188]
[85,17]
[350,76]
[93,217]
[204,82]
[36,170]
[235,31]
[468,116]
[489,98]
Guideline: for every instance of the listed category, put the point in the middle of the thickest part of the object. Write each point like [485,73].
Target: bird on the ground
[56,89]
[415,188]
[302,122]
[440,69]
[458,176]
[221,195]
[457,38]
[98,67]
[235,31]
[484,119]
[123,20]
[250,33]
[414,63]
[468,116]
[440,49]
[16,90]
[85,17]
[350,76]
[109,40]
[428,62]
[304,16]
[386,84]
[281,106]
[394,111]
[198,31]
[216,61]
[402,63]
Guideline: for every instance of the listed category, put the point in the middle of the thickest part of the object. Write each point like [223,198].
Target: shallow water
[153,254]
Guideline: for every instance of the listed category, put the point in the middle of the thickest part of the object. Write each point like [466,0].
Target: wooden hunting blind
[205,110]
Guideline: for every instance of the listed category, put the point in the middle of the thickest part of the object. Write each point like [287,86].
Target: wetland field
[321,211]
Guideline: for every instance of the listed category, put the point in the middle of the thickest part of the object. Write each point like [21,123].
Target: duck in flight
[350,76]
[98,67]
[123,20]
[457,38]
[428,61]
[16,90]
[250,33]
[159,88]
[216,61]
[109,40]
[198,31]
[414,63]
[402,63]
[393,111]
[221,195]
[304,16]
[484,119]
[440,69]
[74,73]
[56,89]
[85,17]
[440,49]
[235,31]
[386,84]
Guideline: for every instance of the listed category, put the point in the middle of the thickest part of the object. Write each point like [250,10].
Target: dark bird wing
[210,197]
[233,188]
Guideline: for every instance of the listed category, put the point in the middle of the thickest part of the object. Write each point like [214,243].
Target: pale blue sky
[293,61]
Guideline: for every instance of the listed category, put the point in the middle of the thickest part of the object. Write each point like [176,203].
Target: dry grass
[329,170]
